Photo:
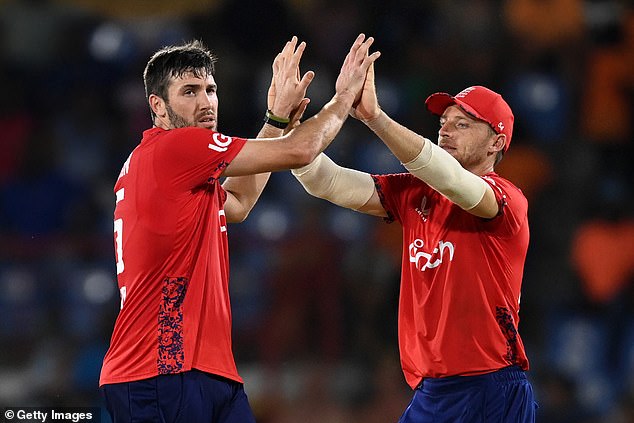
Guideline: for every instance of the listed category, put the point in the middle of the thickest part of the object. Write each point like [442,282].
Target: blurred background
[315,287]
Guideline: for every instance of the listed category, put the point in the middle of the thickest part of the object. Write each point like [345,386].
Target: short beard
[177,120]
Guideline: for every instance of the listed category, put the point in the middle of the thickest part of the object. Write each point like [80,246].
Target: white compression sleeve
[442,172]
[344,187]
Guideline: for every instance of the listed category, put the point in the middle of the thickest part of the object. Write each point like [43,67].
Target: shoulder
[396,179]
[190,132]
[503,186]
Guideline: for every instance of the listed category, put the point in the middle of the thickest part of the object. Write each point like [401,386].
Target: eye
[189,92]
[462,125]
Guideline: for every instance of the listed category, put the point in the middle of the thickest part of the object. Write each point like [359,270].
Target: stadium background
[315,287]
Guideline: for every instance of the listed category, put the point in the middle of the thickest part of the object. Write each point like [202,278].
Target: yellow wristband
[278,122]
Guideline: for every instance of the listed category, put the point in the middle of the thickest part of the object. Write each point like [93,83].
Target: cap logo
[501,126]
[464,92]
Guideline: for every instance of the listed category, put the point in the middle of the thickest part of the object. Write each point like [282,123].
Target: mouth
[447,148]
[207,122]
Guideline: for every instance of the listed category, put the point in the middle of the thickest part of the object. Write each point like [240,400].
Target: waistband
[505,375]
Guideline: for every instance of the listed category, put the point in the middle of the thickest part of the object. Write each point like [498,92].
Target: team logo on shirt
[423,210]
[428,260]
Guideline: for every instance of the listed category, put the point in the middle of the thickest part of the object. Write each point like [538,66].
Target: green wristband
[276,121]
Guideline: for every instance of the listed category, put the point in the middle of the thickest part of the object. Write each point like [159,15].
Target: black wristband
[276,121]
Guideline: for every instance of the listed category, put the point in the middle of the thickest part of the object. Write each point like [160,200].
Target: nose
[444,129]
[205,101]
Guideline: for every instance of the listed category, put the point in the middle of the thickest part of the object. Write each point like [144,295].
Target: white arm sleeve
[344,187]
[443,173]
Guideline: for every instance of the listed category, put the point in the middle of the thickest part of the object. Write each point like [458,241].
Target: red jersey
[172,258]
[461,279]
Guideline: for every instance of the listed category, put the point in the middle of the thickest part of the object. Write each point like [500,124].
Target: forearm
[244,191]
[442,172]
[404,143]
[344,187]
[316,133]
[430,163]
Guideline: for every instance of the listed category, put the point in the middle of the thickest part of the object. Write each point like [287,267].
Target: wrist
[345,97]
[276,120]
[281,112]
[378,122]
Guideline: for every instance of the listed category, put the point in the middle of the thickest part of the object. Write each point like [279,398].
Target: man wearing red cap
[465,238]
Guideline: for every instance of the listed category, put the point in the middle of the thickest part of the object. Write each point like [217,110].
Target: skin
[468,140]
[191,101]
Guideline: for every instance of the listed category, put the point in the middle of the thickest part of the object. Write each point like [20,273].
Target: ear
[157,104]
[499,143]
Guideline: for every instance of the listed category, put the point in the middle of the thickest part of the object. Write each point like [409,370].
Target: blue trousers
[503,396]
[187,397]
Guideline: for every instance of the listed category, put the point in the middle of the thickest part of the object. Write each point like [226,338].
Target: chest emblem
[423,210]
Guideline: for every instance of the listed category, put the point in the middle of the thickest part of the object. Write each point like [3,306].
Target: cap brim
[437,103]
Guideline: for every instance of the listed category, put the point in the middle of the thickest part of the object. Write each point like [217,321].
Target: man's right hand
[354,69]
[288,91]
[367,108]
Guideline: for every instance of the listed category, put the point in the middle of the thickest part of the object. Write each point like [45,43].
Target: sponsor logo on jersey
[220,142]
[424,260]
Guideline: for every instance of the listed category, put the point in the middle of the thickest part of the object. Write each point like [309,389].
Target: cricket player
[170,358]
[465,238]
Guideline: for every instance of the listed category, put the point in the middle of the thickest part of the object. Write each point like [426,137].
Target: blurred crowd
[315,287]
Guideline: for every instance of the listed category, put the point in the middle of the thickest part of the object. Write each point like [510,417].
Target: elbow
[302,149]
[301,157]
[306,158]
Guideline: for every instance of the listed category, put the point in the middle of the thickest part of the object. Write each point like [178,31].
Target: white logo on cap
[464,92]
[501,126]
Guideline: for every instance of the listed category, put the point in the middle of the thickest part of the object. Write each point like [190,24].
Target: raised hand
[288,88]
[355,66]
[367,107]
[296,115]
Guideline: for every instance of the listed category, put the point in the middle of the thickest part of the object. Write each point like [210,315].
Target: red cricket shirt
[461,279]
[172,258]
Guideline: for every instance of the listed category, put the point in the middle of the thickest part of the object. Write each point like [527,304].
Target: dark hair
[174,61]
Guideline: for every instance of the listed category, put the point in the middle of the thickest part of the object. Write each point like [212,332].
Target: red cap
[480,102]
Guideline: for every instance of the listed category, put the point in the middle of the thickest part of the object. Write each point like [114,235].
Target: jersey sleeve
[394,192]
[512,203]
[189,157]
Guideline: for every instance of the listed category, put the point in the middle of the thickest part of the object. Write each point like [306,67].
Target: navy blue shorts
[504,396]
[192,396]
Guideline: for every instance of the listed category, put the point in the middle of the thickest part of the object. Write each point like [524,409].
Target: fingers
[357,43]
[291,54]
[358,54]
[362,56]
[306,80]
[369,76]
[297,55]
[353,49]
[297,114]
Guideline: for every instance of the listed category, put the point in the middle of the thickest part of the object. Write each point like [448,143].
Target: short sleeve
[512,203]
[189,157]
[396,191]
